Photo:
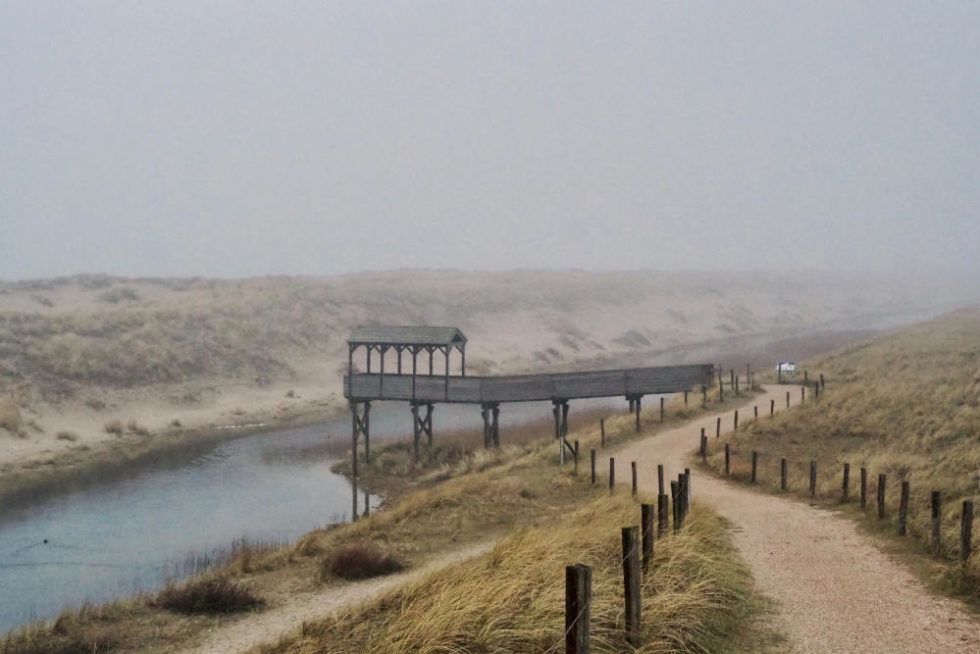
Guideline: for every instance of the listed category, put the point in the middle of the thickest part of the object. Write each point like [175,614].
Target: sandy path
[250,631]
[835,590]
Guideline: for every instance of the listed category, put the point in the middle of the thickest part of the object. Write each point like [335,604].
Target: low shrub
[114,427]
[136,428]
[69,436]
[212,595]
[359,561]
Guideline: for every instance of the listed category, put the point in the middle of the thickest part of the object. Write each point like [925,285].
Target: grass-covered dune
[906,404]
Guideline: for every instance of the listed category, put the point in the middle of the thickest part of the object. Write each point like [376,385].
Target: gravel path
[266,627]
[836,592]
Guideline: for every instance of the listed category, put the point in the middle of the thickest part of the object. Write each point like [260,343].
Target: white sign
[786,366]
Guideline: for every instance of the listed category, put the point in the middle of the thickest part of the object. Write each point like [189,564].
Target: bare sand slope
[836,591]
[253,630]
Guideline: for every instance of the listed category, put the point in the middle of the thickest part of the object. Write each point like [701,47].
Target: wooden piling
[881,496]
[936,515]
[578,605]
[631,584]
[845,483]
[966,531]
[648,535]
[903,510]
[755,465]
[813,478]
[783,472]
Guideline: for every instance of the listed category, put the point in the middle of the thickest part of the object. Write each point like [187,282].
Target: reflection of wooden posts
[578,600]
[936,513]
[631,584]
[685,398]
[755,412]
[423,425]
[360,426]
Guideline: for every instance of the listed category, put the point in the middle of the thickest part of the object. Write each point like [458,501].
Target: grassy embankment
[907,405]
[477,498]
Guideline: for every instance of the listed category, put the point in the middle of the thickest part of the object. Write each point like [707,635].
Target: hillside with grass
[907,405]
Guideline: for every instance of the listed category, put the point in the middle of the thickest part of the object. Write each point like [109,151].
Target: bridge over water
[423,388]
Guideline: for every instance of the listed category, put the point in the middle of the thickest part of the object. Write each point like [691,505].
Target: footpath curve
[835,590]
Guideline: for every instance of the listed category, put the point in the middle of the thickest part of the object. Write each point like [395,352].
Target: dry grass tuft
[359,561]
[10,418]
[210,596]
[115,427]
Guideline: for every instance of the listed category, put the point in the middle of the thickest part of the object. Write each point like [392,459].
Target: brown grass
[359,561]
[907,405]
[209,596]
[10,417]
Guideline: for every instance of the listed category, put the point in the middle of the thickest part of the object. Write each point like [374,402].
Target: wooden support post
[602,432]
[367,504]
[660,479]
[903,510]
[633,471]
[936,515]
[755,465]
[845,488]
[353,513]
[592,461]
[772,408]
[416,434]
[662,413]
[783,473]
[704,447]
[675,505]
[966,531]
[718,427]
[864,488]
[576,458]
[631,584]
[612,475]
[881,496]
[813,478]
[638,402]
[736,420]
[663,515]
[728,459]
[648,535]
[578,605]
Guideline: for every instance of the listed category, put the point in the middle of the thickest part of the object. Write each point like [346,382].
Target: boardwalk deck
[364,387]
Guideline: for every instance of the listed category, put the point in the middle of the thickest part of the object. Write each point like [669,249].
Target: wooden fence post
[685,398]
[704,447]
[675,505]
[787,399]
[612,475]
[736,420]
[881,495]
[966,531]
[903,510]
[631,584]
[575,454]
[813,478]
[718,427]
[648,535]
[783,473]
[578,607]
[663,515]
[662,414]
[728,459]
[592,461]
[660,479]
[633,471]
[755,465]
[864,488]
[688,495]
[802,394]
[936,513]
[846,483]
[822,383]
[602,432]
[816,392]
[755,412]
[704,395]
[772,408]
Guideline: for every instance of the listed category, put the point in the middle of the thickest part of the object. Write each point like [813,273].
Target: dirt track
[836,592]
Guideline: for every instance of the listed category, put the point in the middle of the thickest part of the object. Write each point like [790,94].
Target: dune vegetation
[906,405]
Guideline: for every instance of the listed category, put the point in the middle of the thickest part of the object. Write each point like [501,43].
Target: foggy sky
[250,138]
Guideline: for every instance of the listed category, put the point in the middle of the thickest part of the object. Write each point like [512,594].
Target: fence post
[802,394]
[631,584]
[662,407]
[787,399]
[755,465]
[685,398]
[663,515]
[704,447]
[592,461]
[772,408]
[689,495]
[646,526]
[718,427]
[846,483]
[728,459]
[936,502]
[966,531]
[755,412]
[660,479]
[675,505]
[813,478]
[736,420]
[782,474]
[903,510]
[612,475]
[704,396]
[578,600]
[864,488]
[881,495]
[633,471]
[822,383]
[575,454]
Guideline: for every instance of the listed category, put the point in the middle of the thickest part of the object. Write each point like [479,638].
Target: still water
[132,530]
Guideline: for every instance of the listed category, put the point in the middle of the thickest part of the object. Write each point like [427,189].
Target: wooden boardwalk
[366,387]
